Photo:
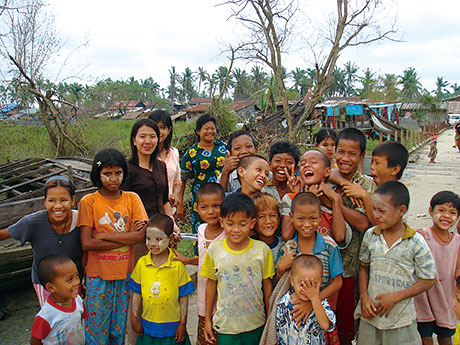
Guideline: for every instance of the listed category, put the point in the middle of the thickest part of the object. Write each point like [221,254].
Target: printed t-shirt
[36,229]
[436,303]
[394,269]
[203,245]
[350,254]
[160,287]
[103,215]
[55,324]
[309,333]
[240,303]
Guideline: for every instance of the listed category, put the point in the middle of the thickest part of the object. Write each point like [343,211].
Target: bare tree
[30,44]
[271,27]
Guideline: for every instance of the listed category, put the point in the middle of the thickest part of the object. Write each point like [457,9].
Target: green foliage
[226,119]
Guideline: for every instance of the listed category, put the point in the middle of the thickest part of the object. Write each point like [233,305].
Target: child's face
[111,178]
[255,176]
[279,162]
[65,284]
[385,214]
[380,171]
[58,203]
[164,131]
[156,240]
[243,146]
[237,227]
[209,208]
[348,157]
[327,146]
[146,140]
[312,168]
[305,220]
[456,302]
[300,274]
[444,216]
[267,222]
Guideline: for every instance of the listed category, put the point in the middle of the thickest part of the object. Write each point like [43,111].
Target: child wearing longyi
[306,277]
[161,286]
[239,271]
[60,319]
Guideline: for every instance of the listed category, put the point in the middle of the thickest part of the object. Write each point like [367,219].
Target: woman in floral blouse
[203,161]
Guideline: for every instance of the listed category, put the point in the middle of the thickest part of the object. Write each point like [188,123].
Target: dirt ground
[18,308]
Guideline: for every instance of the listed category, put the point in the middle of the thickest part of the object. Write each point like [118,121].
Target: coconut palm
[350,70]
[297,75]
[455,89]
[242,83]
[389,87]
[202,77]
[173,77]
[411,85]
[441,87]
[259,78]
[186,81]
[368,84]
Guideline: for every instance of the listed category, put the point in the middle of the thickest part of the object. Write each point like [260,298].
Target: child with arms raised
[253,174]
[161,286]
[396,265]
[239,145]
[434,312]
[305,277]
[239,271]
[209,198]
[60,319]
[111,222]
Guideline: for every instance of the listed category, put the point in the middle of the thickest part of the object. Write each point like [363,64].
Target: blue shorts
[426,330]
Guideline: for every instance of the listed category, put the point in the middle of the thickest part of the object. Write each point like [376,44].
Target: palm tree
[441,87]
[455,89]
[259,78]
[389,87]
[202,76]
[186,81]
[297,75]
[411,85]
[350,70]
[368,82]
[173,76]
[219,75]
[241,88]
[312,73]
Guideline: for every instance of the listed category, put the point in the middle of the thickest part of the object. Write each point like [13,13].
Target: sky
[144,38]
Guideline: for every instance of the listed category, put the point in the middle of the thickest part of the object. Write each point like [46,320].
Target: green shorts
[368,334]
[245,338]
[148,340]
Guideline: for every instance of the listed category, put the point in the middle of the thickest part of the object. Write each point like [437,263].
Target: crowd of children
[291,250]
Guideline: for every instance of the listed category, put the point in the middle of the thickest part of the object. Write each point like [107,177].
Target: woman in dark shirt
[147,174]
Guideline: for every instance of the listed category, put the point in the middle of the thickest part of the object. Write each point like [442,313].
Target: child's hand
[354,192]
[180,257]
[328,192]
[301,311]
[180,210]
[135,323]
[310,288]
[139,225]
[208,331]
[294,182]
[315,189]
[231,163]
[385,303]
[368,308]
[285,263]
[180,333]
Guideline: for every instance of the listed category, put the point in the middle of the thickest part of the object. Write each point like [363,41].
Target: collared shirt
[393,269]
[309,333]
[233,181]
[285,207]
[240,303]
[350,253]
[160,287]
[327,251]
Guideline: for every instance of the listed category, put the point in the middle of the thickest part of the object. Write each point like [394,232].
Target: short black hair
[445,197]
[325,133]
[210,188]
[237,134]
[395,153]
[457,282]
[237,202]
[162,222]
[59,181]
[284,147]
[307,261]
[397,191]
[352,134]
[107,158]
[305,198]
[137,125]
[162,116]
[46,268]
[246,161]
[205,118]
[325,158]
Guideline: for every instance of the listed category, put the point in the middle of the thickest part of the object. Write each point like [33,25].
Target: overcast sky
[144,38]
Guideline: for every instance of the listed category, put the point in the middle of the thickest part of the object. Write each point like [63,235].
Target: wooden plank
[12,165]
[18,170]
[21,196]
[27,174]
[41,177]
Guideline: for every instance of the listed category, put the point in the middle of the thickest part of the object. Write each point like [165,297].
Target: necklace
[60,235]
[438,236]
[64,303]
